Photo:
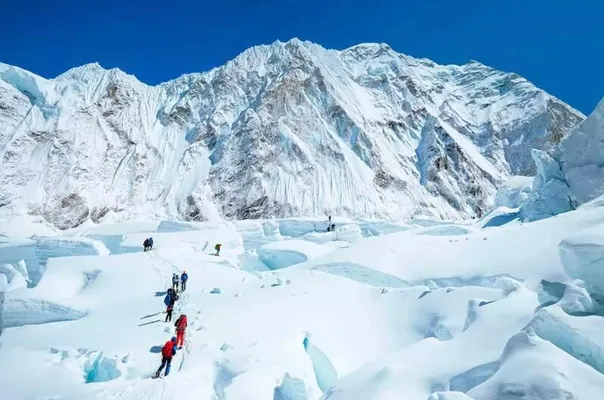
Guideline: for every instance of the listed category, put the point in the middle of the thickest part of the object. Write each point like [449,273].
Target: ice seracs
[573,173]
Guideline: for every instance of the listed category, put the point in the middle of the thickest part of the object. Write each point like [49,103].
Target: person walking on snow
[167,352]
[183,280]
[146,244]
[150,243]
[169,301]
[181,325]
[175,282]
[217,248]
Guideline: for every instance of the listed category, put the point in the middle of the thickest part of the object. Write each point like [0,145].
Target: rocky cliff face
[285,129]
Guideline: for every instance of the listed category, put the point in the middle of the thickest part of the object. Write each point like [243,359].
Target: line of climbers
[176,342]
[172,293]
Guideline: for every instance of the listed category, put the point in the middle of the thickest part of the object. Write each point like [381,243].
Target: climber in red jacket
[167,352]
[181,325]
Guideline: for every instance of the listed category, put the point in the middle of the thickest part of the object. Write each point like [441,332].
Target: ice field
[288,311]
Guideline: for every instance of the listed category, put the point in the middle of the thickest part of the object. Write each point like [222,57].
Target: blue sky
[557,44]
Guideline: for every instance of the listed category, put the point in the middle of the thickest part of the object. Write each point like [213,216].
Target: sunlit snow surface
[376,310]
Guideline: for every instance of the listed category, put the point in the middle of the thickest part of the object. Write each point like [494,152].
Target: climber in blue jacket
[169,300]
[183,280]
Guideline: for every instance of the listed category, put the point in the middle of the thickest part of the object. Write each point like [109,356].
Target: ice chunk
[377,227]
[576,299]
[19,312]
[21,254]
[575,173]
[581,155]
[324,371]
[291,389]
[550,194]
[271,229]
[578,336]
[99,368]
[514,192]
[532,368]
[582,255]
[14,279]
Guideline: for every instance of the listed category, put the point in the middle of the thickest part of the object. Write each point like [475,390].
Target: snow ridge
[283,129]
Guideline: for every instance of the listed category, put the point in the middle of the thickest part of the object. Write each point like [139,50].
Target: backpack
[166,351]
[181,323]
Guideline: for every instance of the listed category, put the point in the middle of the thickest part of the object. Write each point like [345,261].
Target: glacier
[282,130]
[414,309]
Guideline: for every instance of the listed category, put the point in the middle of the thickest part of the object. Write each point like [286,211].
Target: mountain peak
[82,70]
[93,71]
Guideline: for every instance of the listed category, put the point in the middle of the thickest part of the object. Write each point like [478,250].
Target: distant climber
[167,352]
[181,326]
[150,243]
[183,280]
[329,219]
[146,244]
[169,300]
[175,282]
[217,248]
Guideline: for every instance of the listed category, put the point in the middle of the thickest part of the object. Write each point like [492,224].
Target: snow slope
[437,311]
[282,130]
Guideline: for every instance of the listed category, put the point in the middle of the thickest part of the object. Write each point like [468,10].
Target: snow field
[432,311]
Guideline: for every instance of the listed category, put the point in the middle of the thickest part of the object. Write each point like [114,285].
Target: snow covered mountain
[284,129]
